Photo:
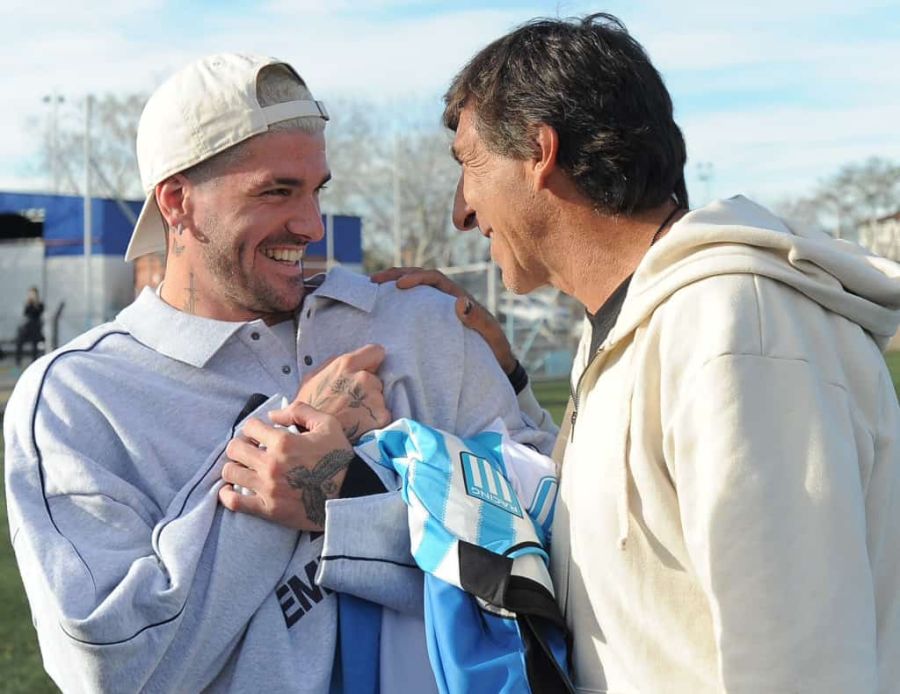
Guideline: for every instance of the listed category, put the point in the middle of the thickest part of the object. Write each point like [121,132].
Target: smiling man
[138,578]
[258,216]
[730,489]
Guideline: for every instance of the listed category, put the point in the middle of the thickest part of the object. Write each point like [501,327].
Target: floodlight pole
[398,241]
[54,100]
[88,237]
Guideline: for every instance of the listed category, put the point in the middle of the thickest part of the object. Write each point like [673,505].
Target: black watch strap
[518,378]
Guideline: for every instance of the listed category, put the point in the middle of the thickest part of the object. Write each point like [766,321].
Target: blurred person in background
[31,329]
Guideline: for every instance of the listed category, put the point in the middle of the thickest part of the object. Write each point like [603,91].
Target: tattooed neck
[190,302]
[317,485]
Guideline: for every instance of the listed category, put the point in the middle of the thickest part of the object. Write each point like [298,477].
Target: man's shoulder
[418,320]
[423,303]
[73,363]
[107,338]
[354,289]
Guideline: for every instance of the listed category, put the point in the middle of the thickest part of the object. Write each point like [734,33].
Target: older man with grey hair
[117,443]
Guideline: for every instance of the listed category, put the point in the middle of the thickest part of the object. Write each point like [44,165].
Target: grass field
[20,662]
[553,396]
[893,361]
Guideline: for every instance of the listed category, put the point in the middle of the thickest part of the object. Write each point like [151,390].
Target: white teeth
[285,255]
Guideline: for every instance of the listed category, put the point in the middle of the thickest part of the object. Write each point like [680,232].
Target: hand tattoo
[341,385]
[317,484]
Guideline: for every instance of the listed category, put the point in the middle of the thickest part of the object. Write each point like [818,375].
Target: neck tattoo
[190,304]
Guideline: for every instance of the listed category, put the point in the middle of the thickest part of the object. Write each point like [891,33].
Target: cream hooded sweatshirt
[729,513]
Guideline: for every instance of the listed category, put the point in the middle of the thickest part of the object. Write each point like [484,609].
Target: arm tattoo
[317,484]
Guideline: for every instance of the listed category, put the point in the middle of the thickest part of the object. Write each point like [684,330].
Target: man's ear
[543,161]
[173,199]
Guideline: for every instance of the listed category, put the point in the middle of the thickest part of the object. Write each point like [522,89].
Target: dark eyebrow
[287,181]
[291,182]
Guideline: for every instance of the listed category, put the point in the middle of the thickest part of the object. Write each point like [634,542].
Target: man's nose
[307,222]
[464,217]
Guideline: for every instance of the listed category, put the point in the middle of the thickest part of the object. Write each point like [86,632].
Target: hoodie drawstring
[623,503]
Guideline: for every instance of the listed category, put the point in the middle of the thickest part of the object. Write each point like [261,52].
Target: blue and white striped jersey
[480,510]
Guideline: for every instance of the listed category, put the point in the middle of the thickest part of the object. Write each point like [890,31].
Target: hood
[737,236]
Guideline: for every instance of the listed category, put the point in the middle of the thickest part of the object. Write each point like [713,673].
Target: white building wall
[112,288]
[21,267]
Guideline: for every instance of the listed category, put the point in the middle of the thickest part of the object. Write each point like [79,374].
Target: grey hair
[276,84]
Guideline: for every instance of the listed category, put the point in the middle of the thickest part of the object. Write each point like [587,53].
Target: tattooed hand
[291,475]
[348,388]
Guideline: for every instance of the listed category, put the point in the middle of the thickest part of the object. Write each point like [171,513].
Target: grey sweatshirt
[137,578]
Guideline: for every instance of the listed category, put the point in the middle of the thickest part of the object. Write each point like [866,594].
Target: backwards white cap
[201,110]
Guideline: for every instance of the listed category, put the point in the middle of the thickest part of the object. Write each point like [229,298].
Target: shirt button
[308,312]
[254,336]
[307,360]
[285,369]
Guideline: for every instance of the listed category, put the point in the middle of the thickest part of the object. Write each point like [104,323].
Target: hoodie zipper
[577,392]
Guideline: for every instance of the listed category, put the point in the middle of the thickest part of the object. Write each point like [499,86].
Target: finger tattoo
[357,399]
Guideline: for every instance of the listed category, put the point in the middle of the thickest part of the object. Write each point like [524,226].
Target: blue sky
[774,95]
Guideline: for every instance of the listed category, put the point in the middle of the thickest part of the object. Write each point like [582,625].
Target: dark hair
[594,84]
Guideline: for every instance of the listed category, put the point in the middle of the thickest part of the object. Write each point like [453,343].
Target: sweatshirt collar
[173,333]
[346,287]
[195,340]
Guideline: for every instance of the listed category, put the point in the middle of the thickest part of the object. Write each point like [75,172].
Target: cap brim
[149,235]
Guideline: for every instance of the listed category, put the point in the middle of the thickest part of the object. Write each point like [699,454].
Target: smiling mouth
[288,256]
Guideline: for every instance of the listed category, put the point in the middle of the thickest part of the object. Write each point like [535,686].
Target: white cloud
[367,57]
[781,151]
[303,8]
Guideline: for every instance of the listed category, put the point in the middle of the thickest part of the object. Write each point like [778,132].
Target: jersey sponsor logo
[297,597]
[485,483]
